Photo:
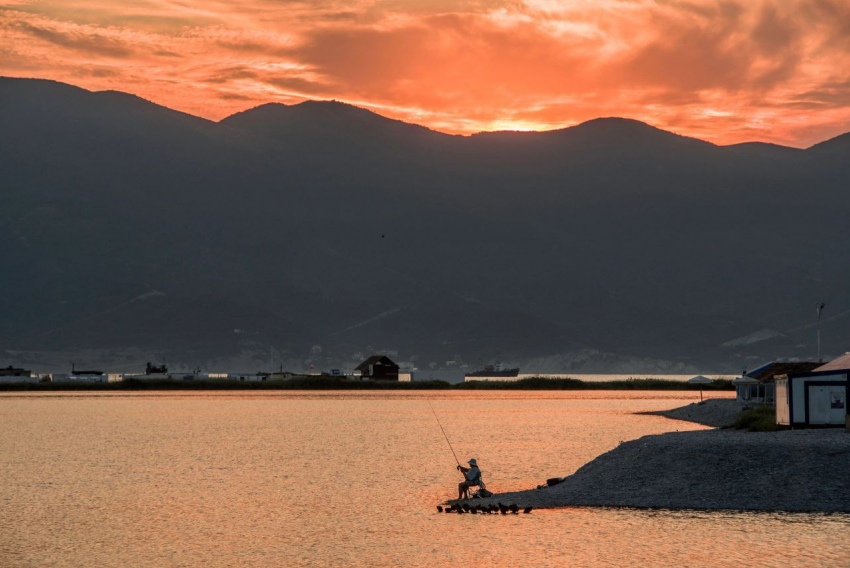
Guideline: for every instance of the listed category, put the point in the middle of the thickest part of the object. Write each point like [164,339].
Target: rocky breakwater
[800,470]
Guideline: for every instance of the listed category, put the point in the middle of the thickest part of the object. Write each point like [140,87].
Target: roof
[10,370]
[699,379]
[839,364]
[374,360]
[766,373]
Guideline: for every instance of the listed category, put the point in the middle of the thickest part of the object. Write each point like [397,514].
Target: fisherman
[473,479]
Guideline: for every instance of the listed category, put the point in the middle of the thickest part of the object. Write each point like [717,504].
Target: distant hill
[326,117]
[318,233]
[764,150]
[836,144]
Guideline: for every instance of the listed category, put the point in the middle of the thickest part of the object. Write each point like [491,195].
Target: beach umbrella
[700,380]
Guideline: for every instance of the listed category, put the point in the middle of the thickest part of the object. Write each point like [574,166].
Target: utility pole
[819,307]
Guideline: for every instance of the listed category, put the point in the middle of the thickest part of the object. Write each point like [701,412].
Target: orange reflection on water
[306,478]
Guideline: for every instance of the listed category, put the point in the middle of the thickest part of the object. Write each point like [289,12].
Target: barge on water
[493,372]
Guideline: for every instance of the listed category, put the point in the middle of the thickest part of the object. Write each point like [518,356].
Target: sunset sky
[722,70]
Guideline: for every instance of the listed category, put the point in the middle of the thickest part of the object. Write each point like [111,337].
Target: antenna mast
[819,307]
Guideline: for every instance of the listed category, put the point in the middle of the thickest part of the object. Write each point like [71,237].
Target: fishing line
[443,431]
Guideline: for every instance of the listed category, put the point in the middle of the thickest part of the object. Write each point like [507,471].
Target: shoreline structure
[718,469]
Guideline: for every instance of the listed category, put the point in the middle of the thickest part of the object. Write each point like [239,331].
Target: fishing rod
[444,432]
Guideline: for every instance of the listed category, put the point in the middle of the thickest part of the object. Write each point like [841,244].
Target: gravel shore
[797,470]
[716,412]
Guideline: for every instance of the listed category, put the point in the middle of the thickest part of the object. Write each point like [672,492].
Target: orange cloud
[722,70]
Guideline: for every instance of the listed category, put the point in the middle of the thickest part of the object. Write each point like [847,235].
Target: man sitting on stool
[473,478]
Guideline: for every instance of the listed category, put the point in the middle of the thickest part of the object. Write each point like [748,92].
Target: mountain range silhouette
[131,231]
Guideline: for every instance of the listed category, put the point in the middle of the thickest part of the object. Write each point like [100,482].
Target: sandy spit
[717,412]
[793,471]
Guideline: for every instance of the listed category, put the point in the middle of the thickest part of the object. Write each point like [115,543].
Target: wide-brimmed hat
[472,462]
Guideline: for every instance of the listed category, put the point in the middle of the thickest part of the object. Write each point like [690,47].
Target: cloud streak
[723,70]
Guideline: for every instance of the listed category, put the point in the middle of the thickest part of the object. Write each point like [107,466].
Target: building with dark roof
[378,367]
[11,371]
[757,386]
[767,373]
[11,375]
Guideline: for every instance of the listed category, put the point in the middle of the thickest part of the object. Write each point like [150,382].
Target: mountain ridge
[524,247]
[340,104]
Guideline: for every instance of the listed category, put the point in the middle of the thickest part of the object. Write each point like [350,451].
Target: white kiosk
[816,398]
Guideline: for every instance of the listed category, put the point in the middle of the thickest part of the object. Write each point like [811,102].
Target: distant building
[11,371]
[379,367]
[16,375]
[250,377]
[280,375]
[151,369]
[81,376]
[814,398]
[153,373]
[757,386]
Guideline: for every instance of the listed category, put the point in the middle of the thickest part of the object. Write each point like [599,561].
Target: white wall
[819,400]
[18,380]
[67,378]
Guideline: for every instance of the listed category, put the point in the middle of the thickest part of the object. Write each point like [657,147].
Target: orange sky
[722,70]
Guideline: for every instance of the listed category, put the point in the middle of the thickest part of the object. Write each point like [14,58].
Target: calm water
[272,479]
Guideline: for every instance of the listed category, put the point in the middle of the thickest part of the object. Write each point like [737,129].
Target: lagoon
[328,478]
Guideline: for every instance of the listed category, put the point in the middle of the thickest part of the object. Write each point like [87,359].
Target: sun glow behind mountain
[725,71]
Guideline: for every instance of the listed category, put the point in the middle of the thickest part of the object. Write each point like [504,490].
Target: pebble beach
[718,469]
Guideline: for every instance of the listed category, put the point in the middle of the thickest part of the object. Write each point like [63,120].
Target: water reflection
[277,478]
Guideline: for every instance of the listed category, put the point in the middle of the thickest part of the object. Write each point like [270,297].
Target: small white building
[81,377]
[157,377]
[816,398]
[250,377]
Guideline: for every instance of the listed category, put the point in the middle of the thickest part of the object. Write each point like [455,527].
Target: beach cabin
[758,385]
[378,367]
[815,398]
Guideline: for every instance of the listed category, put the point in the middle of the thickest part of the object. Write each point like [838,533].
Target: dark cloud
[298,84]
[86,43]
[229,74]
[98,72]
[234,97]
[828,95]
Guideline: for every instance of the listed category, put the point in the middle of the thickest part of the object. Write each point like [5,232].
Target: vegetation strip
[336,383]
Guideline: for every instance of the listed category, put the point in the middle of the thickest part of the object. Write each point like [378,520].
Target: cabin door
[827,404]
